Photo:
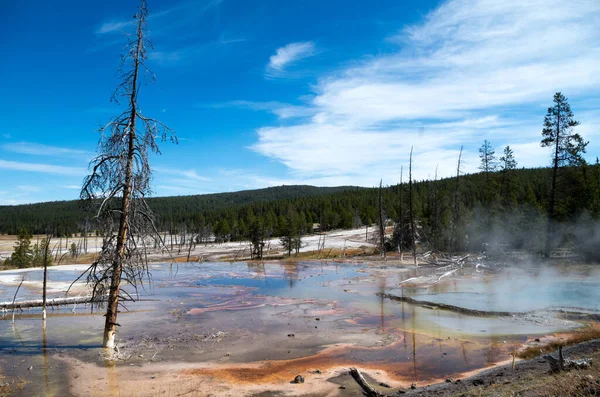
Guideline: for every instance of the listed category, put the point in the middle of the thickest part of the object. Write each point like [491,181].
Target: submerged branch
[444,306]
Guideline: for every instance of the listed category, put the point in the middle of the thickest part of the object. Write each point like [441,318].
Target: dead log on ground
[560,364]
[50,302]
[73,300]
[368,389]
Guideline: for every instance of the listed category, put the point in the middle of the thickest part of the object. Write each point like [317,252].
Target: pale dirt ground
[353,240]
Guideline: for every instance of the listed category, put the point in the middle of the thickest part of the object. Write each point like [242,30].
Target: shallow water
[259,305]
[521,291]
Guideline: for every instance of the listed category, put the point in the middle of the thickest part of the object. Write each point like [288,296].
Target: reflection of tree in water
[464,352]
[382,285]
[493,352]
[258,269]
[414,343]
[290,273]
[45,357]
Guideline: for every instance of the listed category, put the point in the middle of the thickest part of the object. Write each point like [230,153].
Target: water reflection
[290,273]
[45,356]
[417,342]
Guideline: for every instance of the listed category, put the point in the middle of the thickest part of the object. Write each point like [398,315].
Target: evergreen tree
[507,165]
[290,232]
[487,157]
[568,149]
[23,254]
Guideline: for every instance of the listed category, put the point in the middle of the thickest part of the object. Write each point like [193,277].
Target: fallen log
[562,364]
[367,388]
[446,274]
[49,302]
[444,306]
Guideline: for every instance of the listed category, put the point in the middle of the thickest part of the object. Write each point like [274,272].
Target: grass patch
[588,333]
[330,253]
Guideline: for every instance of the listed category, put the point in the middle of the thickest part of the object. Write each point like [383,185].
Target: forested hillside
[505,207]
[69,217]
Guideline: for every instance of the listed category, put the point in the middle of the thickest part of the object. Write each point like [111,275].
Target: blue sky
[270,92]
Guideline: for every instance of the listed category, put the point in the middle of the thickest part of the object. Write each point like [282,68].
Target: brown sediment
[398,365]
[277,371]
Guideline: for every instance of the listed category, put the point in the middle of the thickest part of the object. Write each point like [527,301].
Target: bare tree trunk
[381,224]
[368,390]
[15,298]
[85,240]
[110,327]
[435,228]
[401,218]
[46,249]
[455,207]
[190,248]
[411,210]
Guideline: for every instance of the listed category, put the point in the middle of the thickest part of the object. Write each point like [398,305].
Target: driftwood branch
[367,389]
[49,302]
[15,297]
[443,306]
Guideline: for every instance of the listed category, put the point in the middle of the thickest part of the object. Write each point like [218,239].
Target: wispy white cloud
[123,25]
[37,149]
[180,190]
[114,26]
[194,176]
[41,168]
[181,181]
[28,188]
[280,109]
[174,57]
[473,69]
[166,23]
[289,54]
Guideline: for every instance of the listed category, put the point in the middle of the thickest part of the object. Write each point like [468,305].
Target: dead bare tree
[411,209]
[436,217]
[120,179]
[15,298]
[400,225]
[381,221]
[47,258]
[456,205]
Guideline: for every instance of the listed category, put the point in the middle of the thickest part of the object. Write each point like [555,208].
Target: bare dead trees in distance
[411,209]
[400,225]
[381,221]
[120,178]
[435,224]
[456,204]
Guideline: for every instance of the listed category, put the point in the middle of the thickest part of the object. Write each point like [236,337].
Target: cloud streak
[288,55]
[471,70]
[42,168]
[280,109]
[37,149]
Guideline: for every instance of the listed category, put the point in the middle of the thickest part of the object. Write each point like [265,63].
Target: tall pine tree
[568,149]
